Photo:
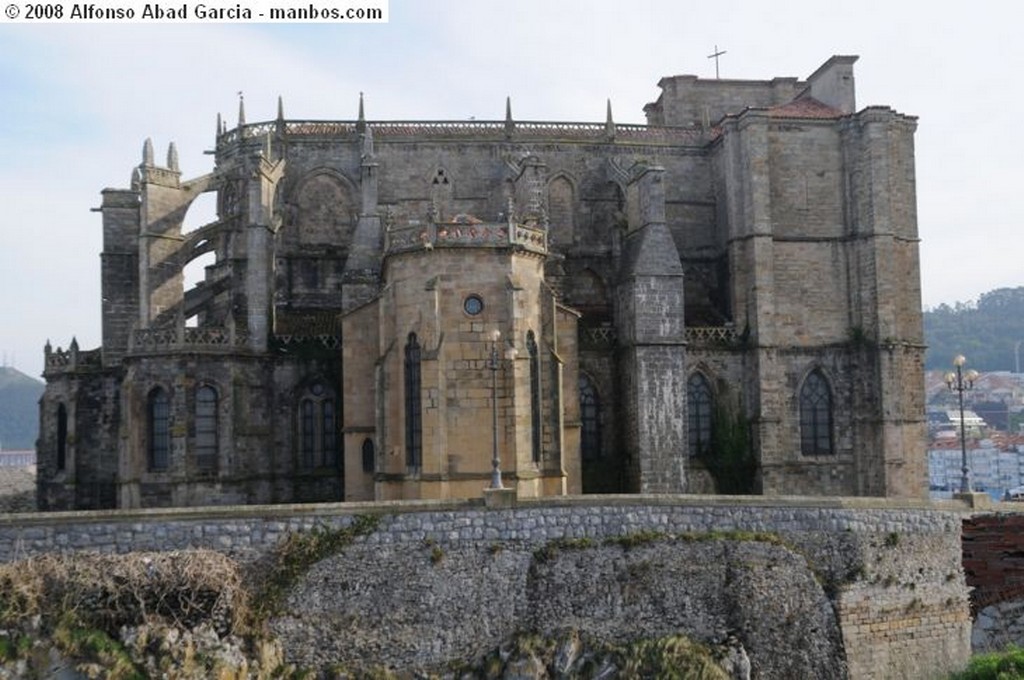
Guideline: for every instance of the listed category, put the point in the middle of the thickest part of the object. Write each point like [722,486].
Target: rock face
[473,599]
[998,626]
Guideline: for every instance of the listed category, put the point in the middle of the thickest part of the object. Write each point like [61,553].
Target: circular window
[473,305]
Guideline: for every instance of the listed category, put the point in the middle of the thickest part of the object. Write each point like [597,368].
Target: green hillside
[986,332]
[19,409]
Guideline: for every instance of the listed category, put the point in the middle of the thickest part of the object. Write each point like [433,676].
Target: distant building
[18,458]
[995,465]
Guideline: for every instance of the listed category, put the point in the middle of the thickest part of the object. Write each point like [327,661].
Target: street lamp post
[495,461]
[494,363]
[960,382]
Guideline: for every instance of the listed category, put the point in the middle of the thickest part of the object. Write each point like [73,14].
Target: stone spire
[609,122]
[510,125]
[361,120]
[220,128]
[172,157]
[147,153]
[241,109]
[279,123]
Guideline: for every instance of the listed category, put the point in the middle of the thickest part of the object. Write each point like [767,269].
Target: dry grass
[106,592]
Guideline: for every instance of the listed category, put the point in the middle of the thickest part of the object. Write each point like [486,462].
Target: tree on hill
[19,409]
[986,333]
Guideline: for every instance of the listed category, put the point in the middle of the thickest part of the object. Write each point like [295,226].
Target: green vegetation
[985,333]
[674,657]
[108,655]
[299,551]
[1005,665]
[551,549]
[671,658]
[637,538]
[730,460]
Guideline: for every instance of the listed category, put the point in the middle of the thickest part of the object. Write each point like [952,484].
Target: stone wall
[822,588]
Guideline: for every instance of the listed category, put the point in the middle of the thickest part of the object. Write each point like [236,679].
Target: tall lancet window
[158,412]
[206,428]
[536,431]
[816,415]
[318,437]
[62,437]
[590,420]
[413,405]
[699,407]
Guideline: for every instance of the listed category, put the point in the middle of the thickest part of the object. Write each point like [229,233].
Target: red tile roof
[805,107]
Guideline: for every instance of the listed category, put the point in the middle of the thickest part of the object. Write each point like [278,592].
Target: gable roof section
[805,107]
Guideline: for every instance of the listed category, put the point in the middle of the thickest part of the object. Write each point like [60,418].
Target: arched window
[368,455]
[535,420]
[308,436]
[328,434]
[158,416]
[561,205]
[317,428]
[815,415]
[413,405]
[318,436]
[590,420]
[206,428]
[62,437]
[699,403]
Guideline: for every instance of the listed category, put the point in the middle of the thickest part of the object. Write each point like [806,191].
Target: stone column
[652,342]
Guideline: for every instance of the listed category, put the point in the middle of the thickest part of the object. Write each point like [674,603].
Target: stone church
[726,299]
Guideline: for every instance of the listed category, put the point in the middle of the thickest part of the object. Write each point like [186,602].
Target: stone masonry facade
[746,262]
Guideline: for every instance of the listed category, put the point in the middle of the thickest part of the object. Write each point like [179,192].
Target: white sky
[77,102]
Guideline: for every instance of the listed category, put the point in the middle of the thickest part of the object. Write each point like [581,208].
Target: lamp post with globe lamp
[960,382]
[494,364]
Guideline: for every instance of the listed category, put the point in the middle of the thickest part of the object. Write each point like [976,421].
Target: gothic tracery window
[318,436]
[413,405]
[206,428]
[699,406]
[816,415]
[158,412]
[590,420]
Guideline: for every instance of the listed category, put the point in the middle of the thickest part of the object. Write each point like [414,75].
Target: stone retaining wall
[438,581]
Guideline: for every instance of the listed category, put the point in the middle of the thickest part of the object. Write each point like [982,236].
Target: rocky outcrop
[446,608]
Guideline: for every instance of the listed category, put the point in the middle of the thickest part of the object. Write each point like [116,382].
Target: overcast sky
[77,102]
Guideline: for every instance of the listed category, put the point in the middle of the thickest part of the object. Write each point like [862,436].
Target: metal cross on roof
[715,56]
